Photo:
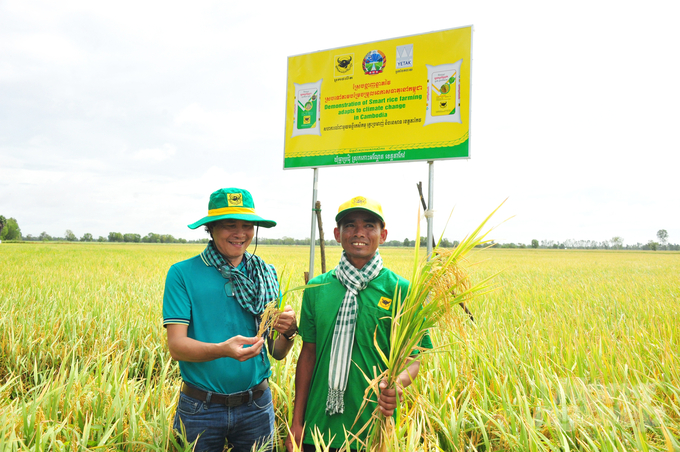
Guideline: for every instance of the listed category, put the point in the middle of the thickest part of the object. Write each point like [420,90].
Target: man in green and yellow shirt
[338,322]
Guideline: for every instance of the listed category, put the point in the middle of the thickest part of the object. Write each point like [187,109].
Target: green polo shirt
[195,295]
[320,307]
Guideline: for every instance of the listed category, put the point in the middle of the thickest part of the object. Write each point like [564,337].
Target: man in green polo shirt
[338,321]
[211,310]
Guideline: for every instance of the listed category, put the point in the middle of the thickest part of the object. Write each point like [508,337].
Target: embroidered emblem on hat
[385,303]
[358,201]
[235,199]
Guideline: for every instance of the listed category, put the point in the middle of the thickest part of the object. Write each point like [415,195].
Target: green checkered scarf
[354,280]
[253,292]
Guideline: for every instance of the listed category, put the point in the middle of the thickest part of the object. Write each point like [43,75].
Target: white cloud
[156,154]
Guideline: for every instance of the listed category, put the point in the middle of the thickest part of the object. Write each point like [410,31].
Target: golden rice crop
[577,350]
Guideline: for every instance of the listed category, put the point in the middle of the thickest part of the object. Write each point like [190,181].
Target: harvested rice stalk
[273,310]
[437,287]
[269,318]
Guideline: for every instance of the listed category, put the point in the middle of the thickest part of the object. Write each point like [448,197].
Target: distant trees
[662,235]
[152,238]
[9,229]
[115,237]
[129,237]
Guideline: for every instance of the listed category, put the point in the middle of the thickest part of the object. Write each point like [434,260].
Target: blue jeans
[216,425]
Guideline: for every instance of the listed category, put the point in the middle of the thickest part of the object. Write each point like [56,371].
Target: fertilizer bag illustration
[307,108]
[443,93]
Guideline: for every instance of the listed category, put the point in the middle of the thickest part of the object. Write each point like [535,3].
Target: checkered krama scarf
[354,280]
[253,292]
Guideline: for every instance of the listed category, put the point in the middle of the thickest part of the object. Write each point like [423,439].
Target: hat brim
[234,216]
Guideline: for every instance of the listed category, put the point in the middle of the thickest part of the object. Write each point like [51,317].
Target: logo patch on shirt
[235,200]
[385,303]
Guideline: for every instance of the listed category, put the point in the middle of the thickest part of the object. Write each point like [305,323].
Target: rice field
[575,350]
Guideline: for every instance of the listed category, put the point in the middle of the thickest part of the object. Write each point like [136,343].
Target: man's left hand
[387,402]
[286,323]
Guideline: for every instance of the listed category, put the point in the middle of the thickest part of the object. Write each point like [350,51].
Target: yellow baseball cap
[360,203]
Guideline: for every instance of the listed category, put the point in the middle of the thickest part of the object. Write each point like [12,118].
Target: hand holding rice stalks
[437,287]
[273,310]
[269,318]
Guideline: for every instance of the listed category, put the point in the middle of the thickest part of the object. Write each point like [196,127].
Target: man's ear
[383,235]
[336,233]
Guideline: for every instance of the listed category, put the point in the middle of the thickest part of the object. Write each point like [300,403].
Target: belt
[231,400]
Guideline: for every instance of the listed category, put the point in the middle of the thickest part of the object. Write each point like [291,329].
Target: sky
[124,116]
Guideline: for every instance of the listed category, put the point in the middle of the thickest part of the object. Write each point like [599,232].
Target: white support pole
[430,205]
[312,235]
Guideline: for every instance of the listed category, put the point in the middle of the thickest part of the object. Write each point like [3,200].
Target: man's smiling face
[232,238]
[360,233]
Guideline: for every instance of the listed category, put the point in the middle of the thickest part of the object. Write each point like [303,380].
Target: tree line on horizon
[10,231]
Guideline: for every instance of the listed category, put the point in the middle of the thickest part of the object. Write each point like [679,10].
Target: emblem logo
[374,62]
[384,303]
[235,199]
[405,56]
[344,65]
[358,201]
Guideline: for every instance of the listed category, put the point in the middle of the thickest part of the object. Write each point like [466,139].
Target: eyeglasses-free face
[232,238]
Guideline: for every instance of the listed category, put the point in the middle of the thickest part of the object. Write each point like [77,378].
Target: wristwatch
[292,336]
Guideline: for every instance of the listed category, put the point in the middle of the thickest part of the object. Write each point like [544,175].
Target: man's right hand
[294,440]
[184,348]
[236,347]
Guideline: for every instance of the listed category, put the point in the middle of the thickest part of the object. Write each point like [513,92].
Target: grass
[578,350]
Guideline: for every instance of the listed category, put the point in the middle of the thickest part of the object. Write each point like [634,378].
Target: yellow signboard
[396,100]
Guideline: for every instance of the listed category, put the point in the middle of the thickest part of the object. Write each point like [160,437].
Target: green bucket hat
[235,204]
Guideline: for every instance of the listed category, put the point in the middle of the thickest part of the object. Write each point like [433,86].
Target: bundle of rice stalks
[437,287]
[269,317]
[273,310]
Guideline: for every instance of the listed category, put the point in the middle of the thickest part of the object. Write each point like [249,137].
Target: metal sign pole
[430,205]
[312,235]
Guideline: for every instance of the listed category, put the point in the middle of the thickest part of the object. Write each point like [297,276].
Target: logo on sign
[344,65]
[404,56]
[374,62]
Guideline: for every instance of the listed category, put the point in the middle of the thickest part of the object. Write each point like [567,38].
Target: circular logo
[374,62]
[359,201]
